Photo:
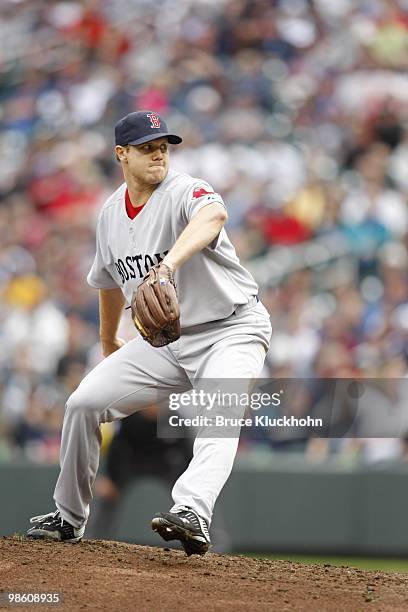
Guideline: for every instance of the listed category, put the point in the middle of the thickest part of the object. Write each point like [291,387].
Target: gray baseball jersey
[210,285]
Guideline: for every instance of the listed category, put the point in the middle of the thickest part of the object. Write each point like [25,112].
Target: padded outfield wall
[279,505]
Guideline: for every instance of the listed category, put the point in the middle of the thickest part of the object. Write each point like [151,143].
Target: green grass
[371,563]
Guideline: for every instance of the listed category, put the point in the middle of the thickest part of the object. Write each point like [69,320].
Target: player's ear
[121,153]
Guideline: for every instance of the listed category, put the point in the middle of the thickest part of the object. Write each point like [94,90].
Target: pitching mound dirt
[116,576]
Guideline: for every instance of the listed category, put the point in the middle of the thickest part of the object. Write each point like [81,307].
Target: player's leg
[133,377]
[215,446]
[235,350]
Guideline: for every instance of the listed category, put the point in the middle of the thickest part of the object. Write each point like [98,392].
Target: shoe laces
[194,518]
[43,517]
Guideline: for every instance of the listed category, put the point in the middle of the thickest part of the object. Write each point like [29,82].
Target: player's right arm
[111,303]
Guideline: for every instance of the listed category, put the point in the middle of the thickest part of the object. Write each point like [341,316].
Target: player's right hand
[110,346]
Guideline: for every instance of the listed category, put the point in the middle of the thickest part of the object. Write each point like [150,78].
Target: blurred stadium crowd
[295,110]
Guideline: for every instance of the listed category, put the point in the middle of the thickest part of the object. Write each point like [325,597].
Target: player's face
[149,162]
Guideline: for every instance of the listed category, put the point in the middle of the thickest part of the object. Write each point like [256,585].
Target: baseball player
[160,230]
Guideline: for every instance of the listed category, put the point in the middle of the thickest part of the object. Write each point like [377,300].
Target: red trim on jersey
[132,211]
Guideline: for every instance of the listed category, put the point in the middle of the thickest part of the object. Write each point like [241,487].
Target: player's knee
[82,404]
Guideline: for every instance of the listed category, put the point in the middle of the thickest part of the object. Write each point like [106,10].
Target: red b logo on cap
[154,120]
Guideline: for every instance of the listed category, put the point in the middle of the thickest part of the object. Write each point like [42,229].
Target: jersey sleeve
[199,195]
[99,276]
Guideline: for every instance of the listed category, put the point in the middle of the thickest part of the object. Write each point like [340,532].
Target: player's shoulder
[118,194]
[183,182]
[111,205]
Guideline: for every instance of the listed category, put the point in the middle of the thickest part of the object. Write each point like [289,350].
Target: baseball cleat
[52,527]
[184,525]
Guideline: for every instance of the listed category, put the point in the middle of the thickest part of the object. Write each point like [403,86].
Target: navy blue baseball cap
[142,126]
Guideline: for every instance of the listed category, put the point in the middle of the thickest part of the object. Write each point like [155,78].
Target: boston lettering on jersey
[137,266]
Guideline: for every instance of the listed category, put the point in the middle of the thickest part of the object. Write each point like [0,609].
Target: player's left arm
[203,228]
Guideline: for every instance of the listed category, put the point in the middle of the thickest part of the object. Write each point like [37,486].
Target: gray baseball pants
[138,375]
